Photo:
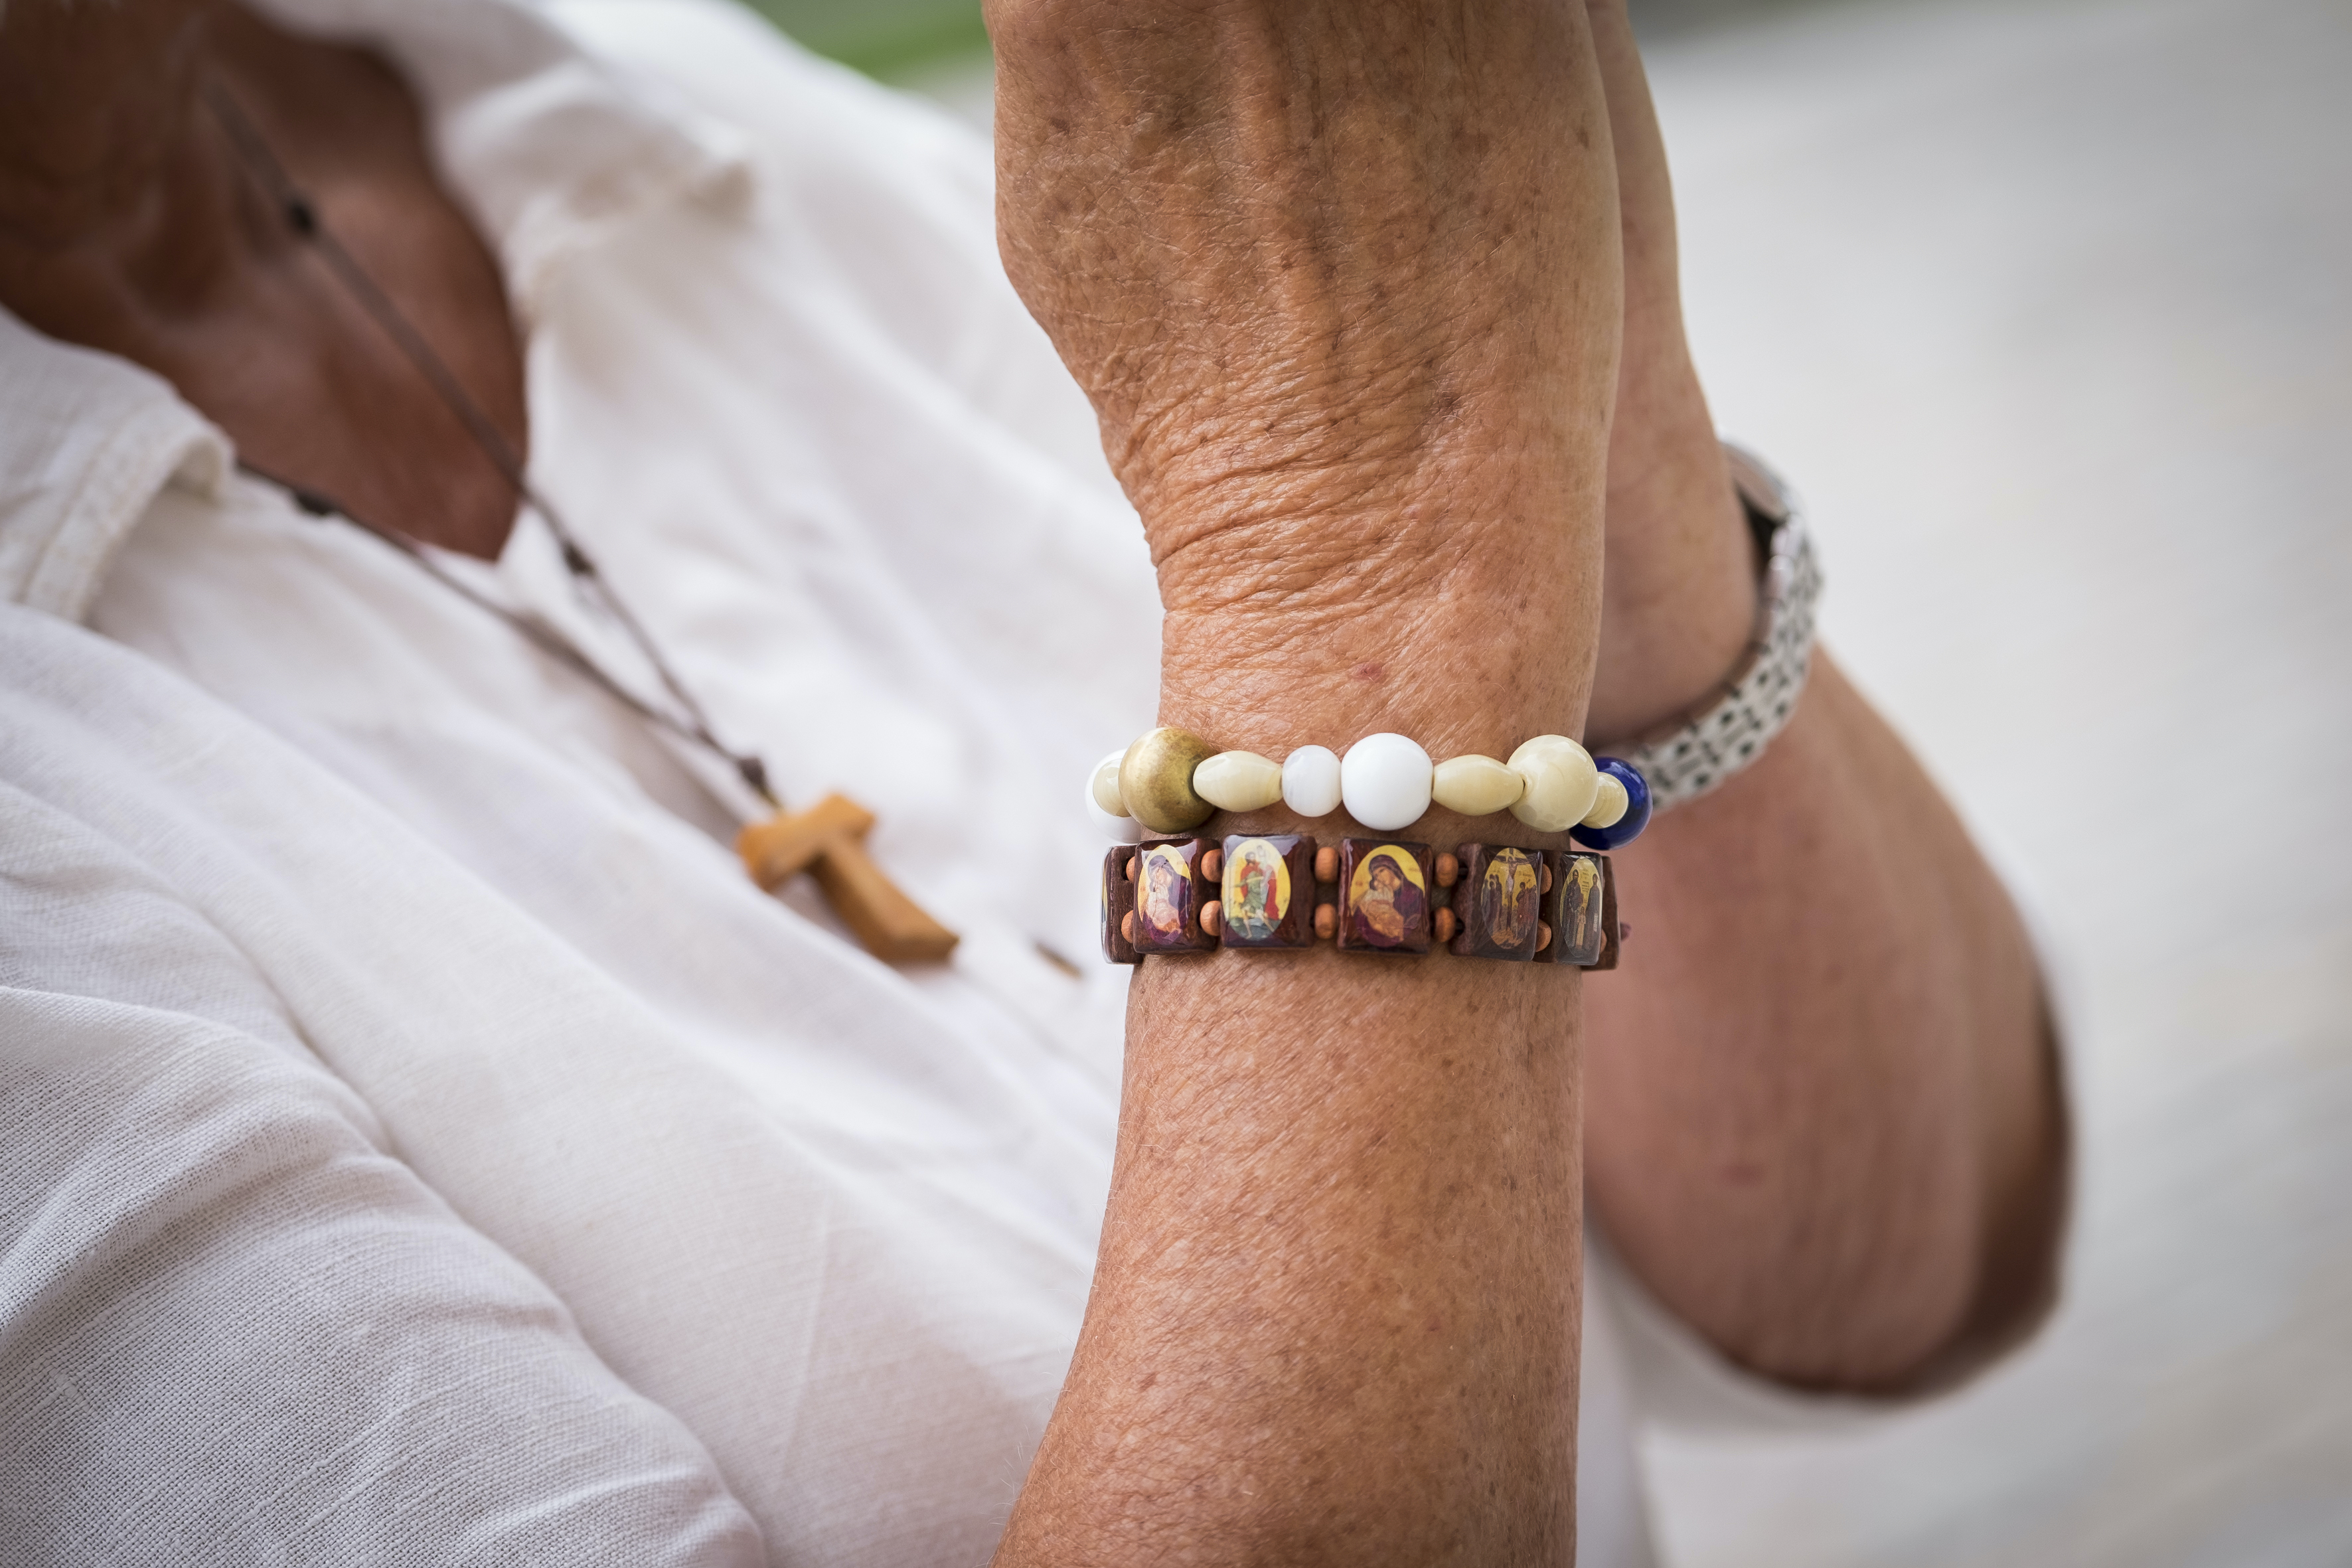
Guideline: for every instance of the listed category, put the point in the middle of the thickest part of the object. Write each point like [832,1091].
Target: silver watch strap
[1728,728]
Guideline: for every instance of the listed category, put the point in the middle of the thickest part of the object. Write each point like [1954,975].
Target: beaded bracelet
[1171,779]
[1265,892]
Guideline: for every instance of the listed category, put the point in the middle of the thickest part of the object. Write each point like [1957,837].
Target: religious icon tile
[1384,896]
[1118,904]
[1498,899]
[1580,908]
[1266,893]
[1171,886]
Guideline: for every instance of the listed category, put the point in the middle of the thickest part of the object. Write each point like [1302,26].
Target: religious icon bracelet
[1178,894]
[1173,894]
[1263,892]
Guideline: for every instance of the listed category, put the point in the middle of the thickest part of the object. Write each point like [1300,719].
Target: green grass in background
[890,38]
[881,37]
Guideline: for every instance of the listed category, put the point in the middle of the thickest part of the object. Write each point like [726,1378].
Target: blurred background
[2046,309]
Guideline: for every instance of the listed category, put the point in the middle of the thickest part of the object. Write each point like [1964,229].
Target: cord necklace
[828,839]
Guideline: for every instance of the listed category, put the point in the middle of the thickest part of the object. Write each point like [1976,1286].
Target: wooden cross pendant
[828,841]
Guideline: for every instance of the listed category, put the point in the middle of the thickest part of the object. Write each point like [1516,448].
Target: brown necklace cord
[302,217]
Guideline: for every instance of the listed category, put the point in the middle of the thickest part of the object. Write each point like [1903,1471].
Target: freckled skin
[1352,352]
[186,269]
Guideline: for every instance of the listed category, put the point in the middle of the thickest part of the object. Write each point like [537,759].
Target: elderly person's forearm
[1342,284]
[1824,1124]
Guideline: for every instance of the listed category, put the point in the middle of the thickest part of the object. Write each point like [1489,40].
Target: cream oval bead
[1384,781]
[1112,818]
[1155,780]
[1238,780]
[1310,781]
[1561,782]
[1608,807]
[1102,785]
[1475,785]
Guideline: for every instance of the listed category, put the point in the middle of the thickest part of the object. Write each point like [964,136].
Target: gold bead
[1155,781]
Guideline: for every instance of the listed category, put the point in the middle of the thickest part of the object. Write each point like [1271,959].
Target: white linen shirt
[419,1142]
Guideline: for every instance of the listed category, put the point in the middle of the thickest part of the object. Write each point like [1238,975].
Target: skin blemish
[1372,670]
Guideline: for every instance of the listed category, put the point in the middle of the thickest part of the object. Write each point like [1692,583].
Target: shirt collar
[548,148]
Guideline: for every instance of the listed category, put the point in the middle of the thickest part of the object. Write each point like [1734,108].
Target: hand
[1342,281]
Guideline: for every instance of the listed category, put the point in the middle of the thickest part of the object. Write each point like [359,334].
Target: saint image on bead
[1163,897]
[1581,910]
[1256,893]
[1508,893]
[1388,902]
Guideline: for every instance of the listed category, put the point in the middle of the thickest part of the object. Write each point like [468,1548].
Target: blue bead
[1628,827]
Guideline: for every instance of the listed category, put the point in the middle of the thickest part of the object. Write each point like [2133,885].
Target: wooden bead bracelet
[1171,779]
[1268,893]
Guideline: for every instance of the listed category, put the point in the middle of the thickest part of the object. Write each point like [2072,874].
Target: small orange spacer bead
[1327,867]
[1449,870]
[1213,918]
[1212,865]
[1547,876]
[1445,925]
[1543,935]
[1127,927]
[1131,868]
[1326,921]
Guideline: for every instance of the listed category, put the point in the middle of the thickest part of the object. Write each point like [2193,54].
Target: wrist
[1458,601]
[1455,663]
[1680,597]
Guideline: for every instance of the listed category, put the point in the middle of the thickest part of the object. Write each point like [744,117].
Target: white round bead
[1102,785]
[1385,781]
[1474,785]
[1310,781]
[1238,780]
[1117,826]
[1608,807]
[1561,782]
